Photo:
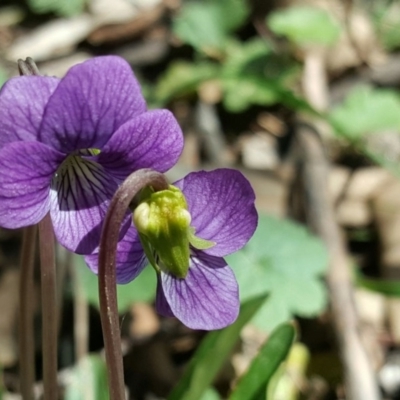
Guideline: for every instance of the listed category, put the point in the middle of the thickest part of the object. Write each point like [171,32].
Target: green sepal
[198,243]
[149,252]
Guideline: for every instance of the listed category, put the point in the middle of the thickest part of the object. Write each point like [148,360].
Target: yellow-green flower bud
[163,222]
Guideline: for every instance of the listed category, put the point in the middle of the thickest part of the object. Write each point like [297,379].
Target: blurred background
[303,97]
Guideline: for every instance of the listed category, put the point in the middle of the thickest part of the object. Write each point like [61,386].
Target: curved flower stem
[107,276]
[49,308]
[26,342]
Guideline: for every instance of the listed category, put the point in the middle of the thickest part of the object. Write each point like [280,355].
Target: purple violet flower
[66,145]
[222,212]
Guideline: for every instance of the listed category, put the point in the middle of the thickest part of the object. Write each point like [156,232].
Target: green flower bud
[163,222]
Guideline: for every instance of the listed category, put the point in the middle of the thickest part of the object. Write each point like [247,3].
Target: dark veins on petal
[205,294]
[79,183]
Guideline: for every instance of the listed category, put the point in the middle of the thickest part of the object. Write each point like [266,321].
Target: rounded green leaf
[286,261]
[366,110]
[305,25]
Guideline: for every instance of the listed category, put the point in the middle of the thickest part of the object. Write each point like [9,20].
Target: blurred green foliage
[387,287]
[182,78]
[366,110]
[3,77]
[212,354]
[206,25]
[247,72]
[385,15]
[263,70]
[286,261]
[88,380]
[254,383]
[63,8]
[142,289]
[305,25]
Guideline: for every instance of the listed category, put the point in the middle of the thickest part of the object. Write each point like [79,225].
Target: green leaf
[305,25]
[389,163]
[183,78]
[65,8]
[212,354]
[253,74]
[366,110]
[286,261]
[198,26]
[243,79]
[386,287]
[210,394]
[232,13]
[2,391]
[205,25]
[88,380]
[3,77]
[142,289]
[386,18]
[283,385]
[253,384]
[364,114]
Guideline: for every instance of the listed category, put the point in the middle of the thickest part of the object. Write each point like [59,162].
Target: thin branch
[209,127]
[107,275]
[360,382]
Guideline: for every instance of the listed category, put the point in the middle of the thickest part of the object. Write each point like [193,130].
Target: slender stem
[26,341]
[49,307]
[81,314]
[107,276]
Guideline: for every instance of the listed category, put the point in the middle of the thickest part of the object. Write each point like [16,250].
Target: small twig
[348,10]
[360,380]
[26,334]
[107,276]
[49,307]
[315,79]
[209,127]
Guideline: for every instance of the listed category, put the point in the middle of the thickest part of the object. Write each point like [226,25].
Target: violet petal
[162,305]
[130,258]
[22,103]
[207,298]
[26,170]
[79,198]
[221,203]
[91,102]
[151,140]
